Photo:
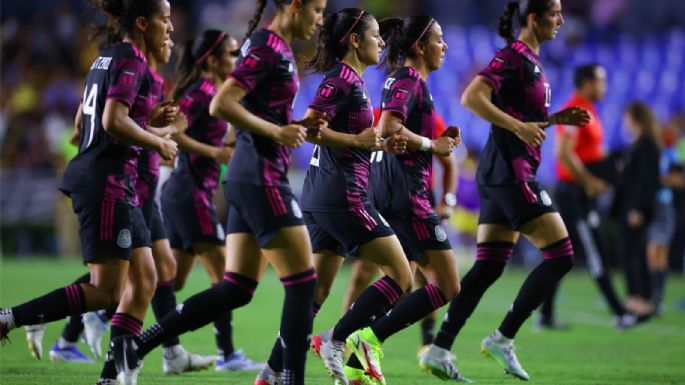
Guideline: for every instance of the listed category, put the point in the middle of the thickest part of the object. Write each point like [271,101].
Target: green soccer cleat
[366,346]
[503,354]
[358,376]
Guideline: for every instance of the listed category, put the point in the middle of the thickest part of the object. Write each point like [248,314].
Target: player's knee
[451,290]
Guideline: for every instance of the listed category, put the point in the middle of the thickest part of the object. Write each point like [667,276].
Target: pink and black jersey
[105,168]
[194,171]
[338,178]
[519,88]
[148,163]
[406,94]
[266,69]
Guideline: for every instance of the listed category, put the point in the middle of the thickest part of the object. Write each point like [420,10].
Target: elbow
[467,100]
[214,108]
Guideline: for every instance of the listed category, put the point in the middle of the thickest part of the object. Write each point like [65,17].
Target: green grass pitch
[591,352]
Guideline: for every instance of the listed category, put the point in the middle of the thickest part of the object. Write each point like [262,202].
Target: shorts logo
[546,200]
[383,220]
[220,231]
[124,239]
[440,233]
[296,209]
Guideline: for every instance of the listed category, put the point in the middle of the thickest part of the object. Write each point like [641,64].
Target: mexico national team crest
[124,239]
[546,200]
[440,233]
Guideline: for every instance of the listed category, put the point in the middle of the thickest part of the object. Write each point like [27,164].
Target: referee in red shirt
[580,159]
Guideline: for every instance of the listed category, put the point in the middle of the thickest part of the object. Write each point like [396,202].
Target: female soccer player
[401,183]
[189,215]
[101,179]
[265,220]
[513,94]
[337,211]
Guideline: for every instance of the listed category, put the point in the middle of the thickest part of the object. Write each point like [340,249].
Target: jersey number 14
[89,98]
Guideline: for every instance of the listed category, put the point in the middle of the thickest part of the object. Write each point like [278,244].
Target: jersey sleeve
[194,104]
[255,66]
[331,97]
[400,97]
[504,66]
[125,80]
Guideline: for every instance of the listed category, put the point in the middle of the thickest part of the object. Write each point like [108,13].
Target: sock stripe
[306,276]
[233,278]
[495,251]
[127,322]
[560,249]
[74,298]
[437,298]
[388,291]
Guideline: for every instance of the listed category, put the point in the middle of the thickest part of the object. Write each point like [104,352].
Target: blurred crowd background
[46,52]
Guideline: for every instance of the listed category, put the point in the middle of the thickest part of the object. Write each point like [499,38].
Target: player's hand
[594,186]
[531,133]
[166,132]
[444,211]
[163,114]
[396,144]
[368,139]
[442,146]
[292,135]
[314,123]
[572,116]
[453,132]
[167,148]
[635,218]
[222,154]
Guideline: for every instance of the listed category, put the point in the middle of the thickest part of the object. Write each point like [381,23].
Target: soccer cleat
[94,327]
[69,353]
[503,353]
[267,376]
[440,363]
[319,339]
[237,361]
[357,376]
[176,360]
[34,339]
[366,346]
[106,381]
[333,356]
[126,360]
[6,324]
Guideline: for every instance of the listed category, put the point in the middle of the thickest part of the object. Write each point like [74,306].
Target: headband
[353,25]
[202,58]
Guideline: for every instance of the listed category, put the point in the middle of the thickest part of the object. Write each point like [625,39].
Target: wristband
[425,144]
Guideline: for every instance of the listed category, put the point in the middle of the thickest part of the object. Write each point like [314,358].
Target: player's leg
[362,274]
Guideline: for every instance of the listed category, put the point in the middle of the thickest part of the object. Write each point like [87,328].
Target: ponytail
[333,42]
[254,22]
[121,16]
[186,69]
[506,22]
[391,31]
[401,36]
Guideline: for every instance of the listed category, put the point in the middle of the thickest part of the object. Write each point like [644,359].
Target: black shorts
[260,210]
[112,228]
[153,219]
[513,205]
[187,222]
[419,235]
[344,231]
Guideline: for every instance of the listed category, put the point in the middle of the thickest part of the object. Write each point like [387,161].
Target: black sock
[223,333]
[296,324]
[74,327]
[607,289]
[107,314]
[417,305]
[53,306]
[372,302]
[276,356]
[427,328]
[163,303]
[122,325]
[558,260]
[473,285]
[658,284]
[235,291]
[547,307]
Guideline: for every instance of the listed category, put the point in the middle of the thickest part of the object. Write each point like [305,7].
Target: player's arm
[566,154]
[117,122]
[445,206]
[331,138]
[391,124]
[188,144]
[75,138]
[225,105]
[477,98]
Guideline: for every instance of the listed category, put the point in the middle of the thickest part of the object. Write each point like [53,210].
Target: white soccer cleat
[267,376]
[34,339]
[237,361]
[176,360]
[94,327]
[503,354]
[440,363]
[333,356]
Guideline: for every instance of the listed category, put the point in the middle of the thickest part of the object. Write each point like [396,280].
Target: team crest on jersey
[497,64]
[296,209]
[127,78]
[546,200]
[326,91]
[252,61]
[440,233]
[124,239]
